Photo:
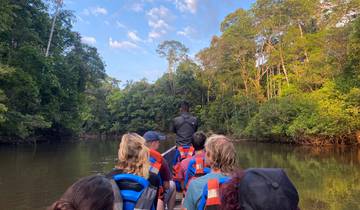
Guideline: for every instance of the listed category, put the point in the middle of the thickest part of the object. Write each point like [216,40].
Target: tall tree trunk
[267,85]
[302,36]
[208,91]
[245,79]
[279,82]
[283,65]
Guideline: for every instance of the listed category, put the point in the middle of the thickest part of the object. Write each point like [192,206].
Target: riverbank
[316,142]
[351,140]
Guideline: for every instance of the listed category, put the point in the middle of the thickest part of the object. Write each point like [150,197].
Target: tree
[174,52]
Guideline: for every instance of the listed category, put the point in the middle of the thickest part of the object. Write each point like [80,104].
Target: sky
[127,32]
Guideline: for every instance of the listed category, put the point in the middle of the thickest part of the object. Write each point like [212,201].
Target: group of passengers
[203,169]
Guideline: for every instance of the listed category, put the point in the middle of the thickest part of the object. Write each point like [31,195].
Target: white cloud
[158,24]
[95,11]
[88,40]
[159,12]
[122,44]
[137,7]
[157,21]
[133,36]
[154,35]
[187,31]
[120,25]
[186,5]
[107,22]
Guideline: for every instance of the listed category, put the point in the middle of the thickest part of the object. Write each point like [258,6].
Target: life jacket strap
[199,166]
[213,197]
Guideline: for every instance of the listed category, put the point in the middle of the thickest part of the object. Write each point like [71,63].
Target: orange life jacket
[213,197]
[155,160]
[199,165]
[185,152]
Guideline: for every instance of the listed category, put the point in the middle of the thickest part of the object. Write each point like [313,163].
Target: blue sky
[127,32]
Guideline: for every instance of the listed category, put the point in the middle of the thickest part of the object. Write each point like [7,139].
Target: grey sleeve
[172,126]
[196,124]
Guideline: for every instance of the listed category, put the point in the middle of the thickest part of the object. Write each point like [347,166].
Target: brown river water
[32,177]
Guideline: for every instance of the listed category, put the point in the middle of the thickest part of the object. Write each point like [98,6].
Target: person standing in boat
[184,126]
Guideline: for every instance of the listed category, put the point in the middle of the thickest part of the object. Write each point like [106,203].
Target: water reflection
[32,178]
[326,178]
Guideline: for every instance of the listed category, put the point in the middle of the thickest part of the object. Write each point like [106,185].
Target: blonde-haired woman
[133,159]
[133,155]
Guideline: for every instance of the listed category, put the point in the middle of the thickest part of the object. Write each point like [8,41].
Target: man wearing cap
[160,166]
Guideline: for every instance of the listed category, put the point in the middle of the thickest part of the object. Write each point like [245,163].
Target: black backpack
[267,189]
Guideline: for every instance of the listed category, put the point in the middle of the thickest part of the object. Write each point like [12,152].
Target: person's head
[220,153]
[198,140]
[152,139]
[184,106]
[88,193]
[133,155]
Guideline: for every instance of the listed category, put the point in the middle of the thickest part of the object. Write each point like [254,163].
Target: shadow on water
[32,178]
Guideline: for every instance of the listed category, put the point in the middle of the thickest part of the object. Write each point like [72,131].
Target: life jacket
[185,152]
[182,152]
[156,161]
[210,198]
[132,192]
[196,168]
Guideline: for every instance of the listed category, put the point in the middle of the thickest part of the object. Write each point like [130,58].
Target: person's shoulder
[185,161]
[177,118]
[210,176]
[113,173]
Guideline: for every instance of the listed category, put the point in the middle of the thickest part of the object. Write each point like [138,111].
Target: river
[32,177]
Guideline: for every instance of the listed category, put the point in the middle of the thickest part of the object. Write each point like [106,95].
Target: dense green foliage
[43,95]
[283,70]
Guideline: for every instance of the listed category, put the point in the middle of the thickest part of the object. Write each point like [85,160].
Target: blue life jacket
[132,192]
[196,168]
[212,193]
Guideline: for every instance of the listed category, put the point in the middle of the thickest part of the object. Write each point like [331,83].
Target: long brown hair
[133,155]
[88,193]
[229,192]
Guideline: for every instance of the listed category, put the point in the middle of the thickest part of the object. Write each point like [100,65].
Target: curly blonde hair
[220,153]
[133,155]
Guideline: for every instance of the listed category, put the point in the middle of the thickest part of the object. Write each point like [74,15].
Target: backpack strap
[118,202]
[147,198]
